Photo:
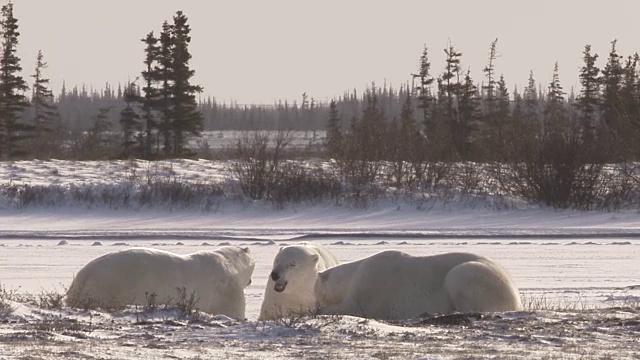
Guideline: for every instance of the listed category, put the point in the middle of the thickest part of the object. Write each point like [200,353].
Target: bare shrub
[304,320]
[6,296]
[51,299]
[297,183]
[258,166]
[186,303]
[60,324]
[556,170]
[543,302]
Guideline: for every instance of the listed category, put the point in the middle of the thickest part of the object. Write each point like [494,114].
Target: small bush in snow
[6,307]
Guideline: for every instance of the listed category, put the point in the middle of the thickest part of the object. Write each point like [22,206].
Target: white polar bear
[216,278]
[289,289]
[393,285]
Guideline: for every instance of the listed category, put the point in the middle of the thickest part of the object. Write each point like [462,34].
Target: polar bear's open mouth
[279,287]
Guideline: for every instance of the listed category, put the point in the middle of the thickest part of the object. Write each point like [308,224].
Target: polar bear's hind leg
[477,286]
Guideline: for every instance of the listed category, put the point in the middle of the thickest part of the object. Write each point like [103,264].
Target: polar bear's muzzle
[280,286]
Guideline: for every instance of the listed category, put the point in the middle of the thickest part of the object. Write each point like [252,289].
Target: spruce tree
[187,119]
[424,97]
[12,88]
[555,112]
[502,124]
[589,99]
[611,109]
[130,122]
[451,81]
[531,102]
[490,87]
[45,112]
[151,98]
[334,131]
[467,134]
[630,98]
[165,77]
[411,146]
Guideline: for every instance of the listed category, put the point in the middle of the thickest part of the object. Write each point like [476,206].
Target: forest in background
[536,141]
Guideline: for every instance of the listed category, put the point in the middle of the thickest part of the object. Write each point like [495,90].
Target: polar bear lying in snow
[393,285]
[289,289]
[217,279]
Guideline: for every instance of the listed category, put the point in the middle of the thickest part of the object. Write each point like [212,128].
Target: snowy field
[578,274]
[579,284]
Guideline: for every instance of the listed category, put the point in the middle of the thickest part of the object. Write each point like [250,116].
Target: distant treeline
[79,106]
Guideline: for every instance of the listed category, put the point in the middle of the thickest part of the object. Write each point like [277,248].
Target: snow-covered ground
[578,273]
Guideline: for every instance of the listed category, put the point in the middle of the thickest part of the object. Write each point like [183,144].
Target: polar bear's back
[129,277]
[122,277]
[395,285]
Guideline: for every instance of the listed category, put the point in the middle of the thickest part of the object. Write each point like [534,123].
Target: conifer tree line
[447,112]
[153,116]
[451,117]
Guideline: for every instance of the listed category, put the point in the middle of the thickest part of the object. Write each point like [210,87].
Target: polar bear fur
[289,290]
[393,285]
[217,279]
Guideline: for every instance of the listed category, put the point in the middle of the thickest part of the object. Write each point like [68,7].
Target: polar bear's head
[241,261]
[294,266]
[330,288]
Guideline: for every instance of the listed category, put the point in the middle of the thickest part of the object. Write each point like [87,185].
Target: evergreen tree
[334,131]
[130,122]
[589,99]
[611,102]
[531,106]
[187,119]
[451,81]
[502,125]
[411,146]
[151,98]
[467,133]
[555,113]
[45,112]
[12,88]
[424,96]
[630,107]
[490,87]
[165,66]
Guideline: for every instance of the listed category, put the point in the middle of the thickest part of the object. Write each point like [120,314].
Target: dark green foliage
[46,120]
[13,102]
[334,132]
[187,119]
[151,98]
[589,100]
[424,96]
[131,126]
[169,92]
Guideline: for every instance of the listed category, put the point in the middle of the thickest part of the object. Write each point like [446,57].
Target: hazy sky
[259,51]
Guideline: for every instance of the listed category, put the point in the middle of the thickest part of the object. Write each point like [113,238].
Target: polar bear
[393,285]
[289,289]
[216,278]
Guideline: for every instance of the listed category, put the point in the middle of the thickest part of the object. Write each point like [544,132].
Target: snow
[577,272]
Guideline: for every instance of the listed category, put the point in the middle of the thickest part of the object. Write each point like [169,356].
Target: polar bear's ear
[246,249]
[315,258]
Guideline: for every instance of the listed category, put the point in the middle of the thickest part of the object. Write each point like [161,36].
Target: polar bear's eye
[292,264]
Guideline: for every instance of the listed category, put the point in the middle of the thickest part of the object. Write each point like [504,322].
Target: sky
[260,51]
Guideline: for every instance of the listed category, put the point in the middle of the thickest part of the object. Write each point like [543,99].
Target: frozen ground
[582,298]
[577,272]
